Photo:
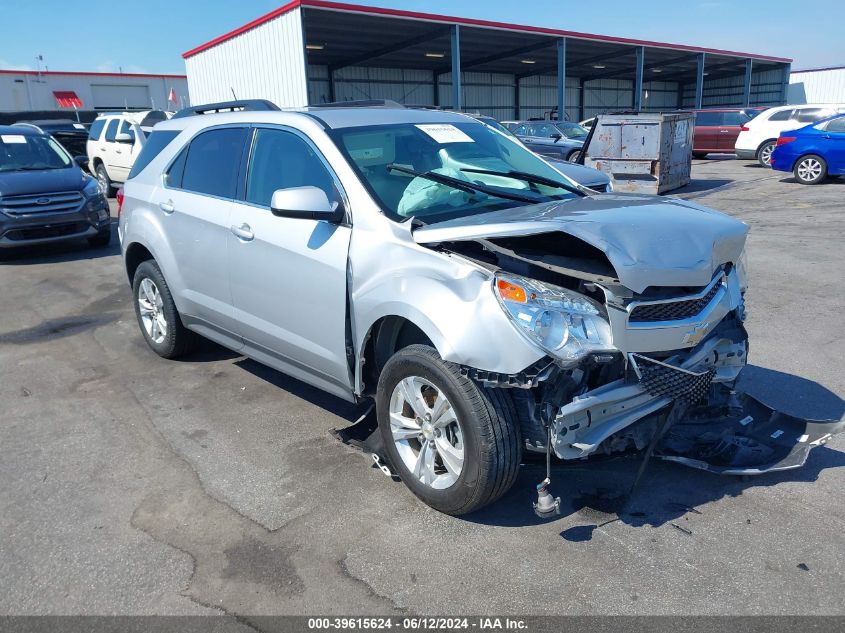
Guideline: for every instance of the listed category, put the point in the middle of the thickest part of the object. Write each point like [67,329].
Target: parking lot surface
[134,485]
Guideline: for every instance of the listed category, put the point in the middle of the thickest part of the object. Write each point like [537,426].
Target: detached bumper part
[743,436]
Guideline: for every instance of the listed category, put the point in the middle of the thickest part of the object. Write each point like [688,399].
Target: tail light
[119,202]
[744,128]
[783,140]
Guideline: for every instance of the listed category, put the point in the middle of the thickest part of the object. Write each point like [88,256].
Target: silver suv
[485,303]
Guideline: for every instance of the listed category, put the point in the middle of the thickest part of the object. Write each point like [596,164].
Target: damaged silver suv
[485,303]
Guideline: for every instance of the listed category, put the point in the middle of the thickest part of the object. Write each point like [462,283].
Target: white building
[25,90]
[309,52]
[817,85]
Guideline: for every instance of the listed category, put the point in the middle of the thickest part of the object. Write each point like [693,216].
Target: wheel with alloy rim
[810,170]
[455,444]
[157,315]
[426,432]
[764,156]
[574,156]
[104,181]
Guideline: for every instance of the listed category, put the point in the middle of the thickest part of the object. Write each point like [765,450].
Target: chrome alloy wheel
[426,432]
[151,308]
[809,169]
[766,153]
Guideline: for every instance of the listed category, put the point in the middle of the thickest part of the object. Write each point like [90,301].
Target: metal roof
[351,35]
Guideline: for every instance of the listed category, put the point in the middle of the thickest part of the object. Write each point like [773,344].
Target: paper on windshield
[445,133]
[13,138]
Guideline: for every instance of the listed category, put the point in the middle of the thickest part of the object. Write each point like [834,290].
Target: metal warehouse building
[28,90]
[312,51]
[817,85]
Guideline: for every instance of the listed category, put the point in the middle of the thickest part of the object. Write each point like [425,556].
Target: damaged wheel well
[387,336]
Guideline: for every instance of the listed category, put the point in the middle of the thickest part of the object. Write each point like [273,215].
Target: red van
[716,129]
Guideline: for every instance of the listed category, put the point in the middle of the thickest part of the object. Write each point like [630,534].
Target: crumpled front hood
[649,240]
[13,183]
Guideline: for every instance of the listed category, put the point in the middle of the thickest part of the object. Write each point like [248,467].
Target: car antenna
[234,96]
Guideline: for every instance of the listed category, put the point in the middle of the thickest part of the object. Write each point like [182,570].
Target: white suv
[115,140]
[758,137]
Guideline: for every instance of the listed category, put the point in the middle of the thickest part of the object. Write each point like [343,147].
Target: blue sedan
[813,152]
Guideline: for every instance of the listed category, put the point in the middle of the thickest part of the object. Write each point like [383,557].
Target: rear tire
[157,315]
[810,169]
[764,154]
[481,430]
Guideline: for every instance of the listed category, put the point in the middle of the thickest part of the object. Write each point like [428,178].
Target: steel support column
[435,82]
[787,70]
[457,106]
[561,79]
[638,79]
[516,98]
[746,93]
[331,86]
[699,82]
[581,89]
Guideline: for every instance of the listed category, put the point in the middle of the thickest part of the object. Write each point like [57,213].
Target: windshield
[386,155]
[572,130]
[21,152]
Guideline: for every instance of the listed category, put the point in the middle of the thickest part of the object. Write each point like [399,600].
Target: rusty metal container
[644,153]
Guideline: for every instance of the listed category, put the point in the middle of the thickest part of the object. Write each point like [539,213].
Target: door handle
[724,131]
[243,232]
[167,207]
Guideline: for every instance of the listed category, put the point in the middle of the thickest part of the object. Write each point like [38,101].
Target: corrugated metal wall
[267,62]
[817,86]
[766,90]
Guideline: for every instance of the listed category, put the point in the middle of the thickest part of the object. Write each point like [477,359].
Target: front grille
[666,381]
[45,232]
[32,204]
[672,310]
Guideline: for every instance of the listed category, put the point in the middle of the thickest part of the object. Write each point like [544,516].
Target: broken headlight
[564,323]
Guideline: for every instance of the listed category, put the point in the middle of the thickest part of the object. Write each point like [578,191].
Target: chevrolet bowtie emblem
[695,334]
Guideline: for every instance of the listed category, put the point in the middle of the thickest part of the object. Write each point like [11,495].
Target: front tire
[455,444]
[104,181]
[100,239]
[157,316]
[810,170]
[764,154]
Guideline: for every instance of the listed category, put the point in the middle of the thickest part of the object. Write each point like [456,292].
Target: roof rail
[361,103]
[244,105]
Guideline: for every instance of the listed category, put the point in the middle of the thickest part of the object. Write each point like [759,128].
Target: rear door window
[96,129]
[734,118]
[213,162]
[783,115]
[710,119]
[111,130]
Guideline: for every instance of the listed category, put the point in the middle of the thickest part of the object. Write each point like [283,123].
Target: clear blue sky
[150,36]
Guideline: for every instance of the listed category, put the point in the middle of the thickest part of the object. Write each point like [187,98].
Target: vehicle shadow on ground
[59,252]
[699,185]
[598,491]
[830,180]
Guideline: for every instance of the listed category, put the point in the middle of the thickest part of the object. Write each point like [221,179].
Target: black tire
[492,446]
[574,156]
[807,173]
[100,239]
[179,340]
[105,181]
[699,155]
[764,153]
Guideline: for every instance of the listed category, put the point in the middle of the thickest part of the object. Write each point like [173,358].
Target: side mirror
[557,137]
[82,161]
[124,137]
[305,203]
